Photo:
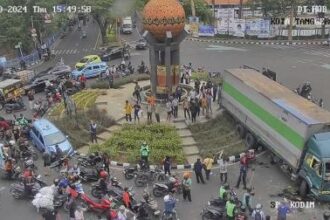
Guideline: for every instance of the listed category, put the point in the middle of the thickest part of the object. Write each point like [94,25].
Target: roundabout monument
[164,22]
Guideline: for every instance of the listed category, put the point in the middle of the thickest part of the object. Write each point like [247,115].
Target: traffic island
[124,144]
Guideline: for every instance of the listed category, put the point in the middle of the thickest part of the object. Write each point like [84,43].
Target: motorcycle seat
[161,185]
[215,210]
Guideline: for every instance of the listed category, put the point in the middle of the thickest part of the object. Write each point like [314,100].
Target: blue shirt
[63,183]
[282,210]
[169,205]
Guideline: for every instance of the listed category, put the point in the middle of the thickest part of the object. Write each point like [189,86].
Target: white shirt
[79,215]
[223,166]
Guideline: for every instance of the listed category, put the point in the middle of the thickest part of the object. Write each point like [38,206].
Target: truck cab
[127,25]
[315,169]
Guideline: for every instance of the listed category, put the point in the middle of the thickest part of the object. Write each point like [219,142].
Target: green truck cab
[315,168]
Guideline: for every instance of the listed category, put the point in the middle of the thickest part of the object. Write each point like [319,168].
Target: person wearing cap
[144,151]
[258,214]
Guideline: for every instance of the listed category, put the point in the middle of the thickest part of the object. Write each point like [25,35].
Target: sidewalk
[113,104]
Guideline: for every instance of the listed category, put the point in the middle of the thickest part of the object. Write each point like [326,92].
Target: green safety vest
[230,209]
[145,151]
[222,191]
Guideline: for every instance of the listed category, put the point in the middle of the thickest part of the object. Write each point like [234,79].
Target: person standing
[106,162]
[243,171]
[186,106]
[258,214]
[144,151]
[219,95]
[186,183]
[209,101]
[230,209]
[128,111]
[72,206]
[197,106]
[79,213]
[30,96]
[137,109]
[127,198]
[203,102]
[193,110]
[92,128]
[149,113]
[208,163]
[215,91]
[137,90]
[282,211]
[47,161]
[247,200]
[157,112]
[175,106]
[169,109]
[198,168]
[223,170]
[83,81]
[178,93]
[167,165]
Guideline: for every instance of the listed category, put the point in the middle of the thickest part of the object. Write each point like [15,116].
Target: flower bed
[125,144]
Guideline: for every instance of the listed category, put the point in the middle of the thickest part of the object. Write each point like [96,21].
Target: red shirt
[244,161]
[4,124]
[126,199]
[82,79]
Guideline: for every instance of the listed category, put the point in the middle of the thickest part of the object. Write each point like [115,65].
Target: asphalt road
[293,64]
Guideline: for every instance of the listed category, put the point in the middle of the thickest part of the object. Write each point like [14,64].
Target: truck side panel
[265,119]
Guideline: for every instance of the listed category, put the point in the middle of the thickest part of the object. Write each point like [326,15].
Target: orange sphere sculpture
[160,16]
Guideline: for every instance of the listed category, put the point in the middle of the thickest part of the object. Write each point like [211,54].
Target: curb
[258,42]
[232,159]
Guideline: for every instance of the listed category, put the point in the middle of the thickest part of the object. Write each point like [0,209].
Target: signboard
[225,22]
[239,28]
[194,26]
[264,29]
[206,31]
[252,27]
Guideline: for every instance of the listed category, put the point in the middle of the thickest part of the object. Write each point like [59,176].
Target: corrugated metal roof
[303,109]
[225,2]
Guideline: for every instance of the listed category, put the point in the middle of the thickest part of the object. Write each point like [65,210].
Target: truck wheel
[250,141]
[240,130]
[303,189]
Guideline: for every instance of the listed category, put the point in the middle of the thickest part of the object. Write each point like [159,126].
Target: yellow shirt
[128,108]
[208,163]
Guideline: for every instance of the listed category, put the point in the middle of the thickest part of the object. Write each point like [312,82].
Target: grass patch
[217,134]
[77,127]
[80,98]
[125,144]
[204,76]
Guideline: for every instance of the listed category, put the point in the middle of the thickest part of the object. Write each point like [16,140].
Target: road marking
[224,48]
[326,66]
[97,39]
[75,51]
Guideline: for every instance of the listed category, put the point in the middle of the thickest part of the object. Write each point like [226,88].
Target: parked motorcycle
[217,202]
[215,213]
[99,207]
[17,190]
[15,107]
[92,174]
[97,192]
[130,172]
[142,178]
[29,152]
[151,204]
[161,189]
[169,216]
[87,161]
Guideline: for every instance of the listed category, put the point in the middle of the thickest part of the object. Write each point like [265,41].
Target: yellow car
[88,59]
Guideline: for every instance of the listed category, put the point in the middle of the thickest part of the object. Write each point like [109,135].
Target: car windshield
[83,60]
[327,171]
[54,139]
[126,25]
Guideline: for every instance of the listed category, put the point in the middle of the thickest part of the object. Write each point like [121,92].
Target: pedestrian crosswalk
[73,51]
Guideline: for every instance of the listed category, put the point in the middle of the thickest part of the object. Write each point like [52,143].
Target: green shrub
[100,84]
[76,127]
[162,139]
[130,79]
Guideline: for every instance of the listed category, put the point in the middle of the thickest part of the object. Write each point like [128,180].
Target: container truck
[295,130]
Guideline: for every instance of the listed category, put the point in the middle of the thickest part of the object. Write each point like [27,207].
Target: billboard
[206,31]
[239,27]
[264,29]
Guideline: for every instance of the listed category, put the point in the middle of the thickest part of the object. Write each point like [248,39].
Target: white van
[127,25]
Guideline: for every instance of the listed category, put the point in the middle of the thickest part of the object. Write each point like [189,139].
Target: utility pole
[240,14]
[291,22]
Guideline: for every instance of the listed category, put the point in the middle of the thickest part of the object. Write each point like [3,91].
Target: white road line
[75,51]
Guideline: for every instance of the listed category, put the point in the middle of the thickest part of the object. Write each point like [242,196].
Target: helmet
[28,163]
[243,208]
[56,181]
[104,174]
[226,186]
[11,142]
[258,206]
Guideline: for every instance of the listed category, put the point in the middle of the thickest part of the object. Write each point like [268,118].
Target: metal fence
[34,57]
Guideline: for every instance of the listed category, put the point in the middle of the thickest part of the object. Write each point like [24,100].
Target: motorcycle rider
[241,214]
[9,167]
[169,203]
[75,171]
[127,198]
[28,177]
[102,182]
[223,192]
[173,183]
[22,121]
[142,67]
[230,209]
